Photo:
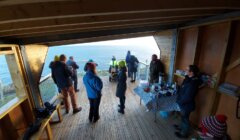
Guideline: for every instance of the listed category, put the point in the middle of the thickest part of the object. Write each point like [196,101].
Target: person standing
[122,85]
[186,99]
[51,65]
[127,61]
[113,65]
[133,66]
[94,87]
[155,70]
[74,66]
[89,61]
[62,74]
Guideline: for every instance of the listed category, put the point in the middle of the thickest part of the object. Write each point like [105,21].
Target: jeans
[185,124]
[94,108]
[122,102]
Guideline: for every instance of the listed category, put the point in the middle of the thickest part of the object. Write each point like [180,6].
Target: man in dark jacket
[156,69]
[133,66]
[186,99]
[74,66]
[51,65]
[94,87]
[62,76]
[122,85]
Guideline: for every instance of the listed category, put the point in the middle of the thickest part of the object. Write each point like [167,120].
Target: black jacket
[156,68]
[122,85]
[61,75]
[187,93]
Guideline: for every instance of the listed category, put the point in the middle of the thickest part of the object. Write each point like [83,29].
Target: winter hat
[122,64]
[56,58]
[216,125]
[90,60]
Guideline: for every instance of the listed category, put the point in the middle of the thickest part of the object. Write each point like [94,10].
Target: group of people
[64,75]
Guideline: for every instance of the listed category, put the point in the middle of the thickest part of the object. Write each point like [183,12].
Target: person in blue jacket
[122,85]
[186,99]
[127,61]
[94,87]
[133,66]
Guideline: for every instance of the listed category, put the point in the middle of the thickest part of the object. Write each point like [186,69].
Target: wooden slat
[50,10]
[135,124]
[233,65]
[92,27]
[37,24]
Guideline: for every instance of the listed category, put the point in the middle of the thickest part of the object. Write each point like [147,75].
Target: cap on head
[71,57]
[113,58]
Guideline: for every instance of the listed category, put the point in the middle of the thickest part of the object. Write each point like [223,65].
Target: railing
[143,71]
[48,89]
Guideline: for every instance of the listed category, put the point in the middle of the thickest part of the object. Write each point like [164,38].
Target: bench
[45,125]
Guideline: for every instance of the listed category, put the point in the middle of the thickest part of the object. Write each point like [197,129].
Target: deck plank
[135,124]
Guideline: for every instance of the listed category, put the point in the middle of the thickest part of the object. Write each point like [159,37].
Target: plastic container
[164,114]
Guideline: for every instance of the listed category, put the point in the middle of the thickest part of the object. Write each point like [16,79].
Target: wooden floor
[135,124]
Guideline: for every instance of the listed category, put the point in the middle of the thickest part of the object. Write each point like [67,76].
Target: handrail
[144,63]
[45,78]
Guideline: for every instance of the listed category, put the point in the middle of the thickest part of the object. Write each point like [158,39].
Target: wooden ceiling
[44,21]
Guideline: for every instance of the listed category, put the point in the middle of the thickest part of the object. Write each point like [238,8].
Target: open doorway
[102,53]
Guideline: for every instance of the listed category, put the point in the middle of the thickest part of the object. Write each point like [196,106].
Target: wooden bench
[46,125]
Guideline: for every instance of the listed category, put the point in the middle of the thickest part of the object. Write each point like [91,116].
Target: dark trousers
[94,108]
[75,82]
[185,124]
[122,102]
[133,75]
[129,73]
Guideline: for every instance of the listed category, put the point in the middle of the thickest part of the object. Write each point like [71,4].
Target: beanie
[216,125]
[122,64]
[56,58]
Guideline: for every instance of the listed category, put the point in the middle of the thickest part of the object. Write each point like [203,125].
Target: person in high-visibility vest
[113,65]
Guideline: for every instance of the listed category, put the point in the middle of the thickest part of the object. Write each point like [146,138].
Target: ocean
[100,52]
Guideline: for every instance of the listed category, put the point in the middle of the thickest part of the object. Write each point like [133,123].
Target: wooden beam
[96,25]
[89,34]
[211,20]
[106,18]
[41,11]
[18,2]
[233,65]
[89,29]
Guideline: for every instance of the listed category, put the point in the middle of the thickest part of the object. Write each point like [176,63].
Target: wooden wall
[208,47]
[164,41]
[227,104]
[15,123]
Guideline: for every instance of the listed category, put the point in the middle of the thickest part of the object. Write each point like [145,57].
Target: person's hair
[194,69]
[62,57]
[71,57]
[154,56]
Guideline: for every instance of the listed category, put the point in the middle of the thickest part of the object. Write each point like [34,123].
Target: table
[155,102]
